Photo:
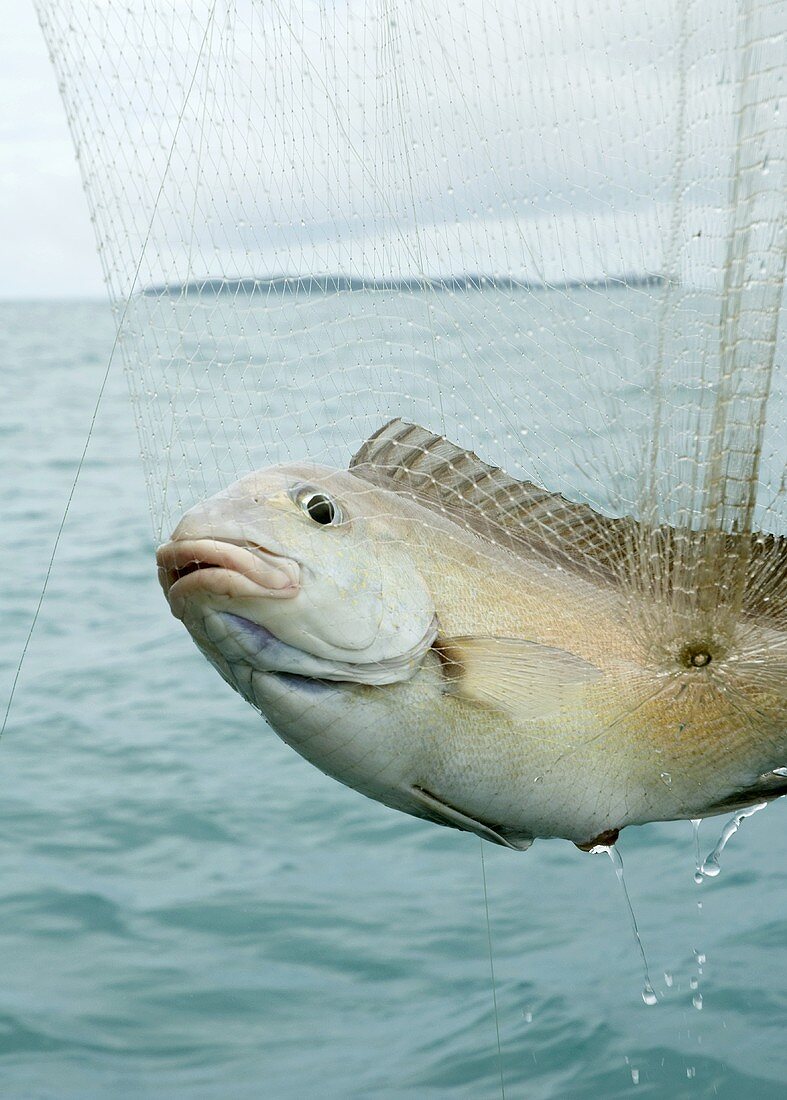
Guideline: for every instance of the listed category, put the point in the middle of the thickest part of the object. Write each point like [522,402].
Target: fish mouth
[224,567]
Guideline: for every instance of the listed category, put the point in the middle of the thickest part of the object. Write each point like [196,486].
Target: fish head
[298,570]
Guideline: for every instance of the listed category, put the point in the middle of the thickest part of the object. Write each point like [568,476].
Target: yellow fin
[523,679]
[517,515]
[669,562]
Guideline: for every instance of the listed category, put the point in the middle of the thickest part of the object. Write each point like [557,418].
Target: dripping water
[699,956]
[710,868]
[695,824]
[694,984]
[648,992]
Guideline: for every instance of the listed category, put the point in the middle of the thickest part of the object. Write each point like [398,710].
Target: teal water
[187,909]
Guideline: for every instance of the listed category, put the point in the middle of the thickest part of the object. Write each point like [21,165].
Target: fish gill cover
[552,236]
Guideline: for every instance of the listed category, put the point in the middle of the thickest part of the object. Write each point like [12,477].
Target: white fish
[478,652]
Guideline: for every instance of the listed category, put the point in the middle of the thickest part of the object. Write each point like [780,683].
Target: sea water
[189,910]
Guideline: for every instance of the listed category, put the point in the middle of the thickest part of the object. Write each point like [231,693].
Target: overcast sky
[45,235]
[338,140]
[404,123]
[46,242]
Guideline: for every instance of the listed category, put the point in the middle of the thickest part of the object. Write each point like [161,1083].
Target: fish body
[494,684]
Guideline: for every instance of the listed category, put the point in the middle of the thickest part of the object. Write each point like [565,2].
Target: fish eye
[319,506]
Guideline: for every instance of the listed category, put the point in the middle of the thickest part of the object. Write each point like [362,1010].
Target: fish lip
[228,567]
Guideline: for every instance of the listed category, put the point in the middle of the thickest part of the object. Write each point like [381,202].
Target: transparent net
[553,234]
[548,233]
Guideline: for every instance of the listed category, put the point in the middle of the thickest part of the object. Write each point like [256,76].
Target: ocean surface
[189,910]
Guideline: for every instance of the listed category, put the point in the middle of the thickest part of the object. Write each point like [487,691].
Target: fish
[481,653]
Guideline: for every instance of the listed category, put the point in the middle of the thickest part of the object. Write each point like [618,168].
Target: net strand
[492,974]
[91,426]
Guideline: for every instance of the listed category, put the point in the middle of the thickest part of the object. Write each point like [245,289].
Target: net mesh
[553,233]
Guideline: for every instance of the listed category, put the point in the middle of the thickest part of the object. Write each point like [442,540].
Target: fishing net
[553,233]
[521,267]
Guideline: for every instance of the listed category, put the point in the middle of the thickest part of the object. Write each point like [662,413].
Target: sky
[397,148]
[335,140]
[46,241]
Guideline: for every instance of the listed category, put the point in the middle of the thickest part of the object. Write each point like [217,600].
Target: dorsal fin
[517,515]
[522,517]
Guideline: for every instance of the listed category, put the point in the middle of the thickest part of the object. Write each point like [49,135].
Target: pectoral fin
[439,811]
[522,679]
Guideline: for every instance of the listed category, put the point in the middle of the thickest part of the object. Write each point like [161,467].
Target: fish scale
[535,704]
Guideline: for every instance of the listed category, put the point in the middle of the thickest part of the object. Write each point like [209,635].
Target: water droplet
[696,1000]
[698,877]
[649,994]
[528,1016]
[691,1072]
[538,779]
[666,778]
[693,983]
[699,957]
[668,979]
[635,1075]
[780,771]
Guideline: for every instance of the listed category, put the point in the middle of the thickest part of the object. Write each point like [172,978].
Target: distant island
[335,284]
